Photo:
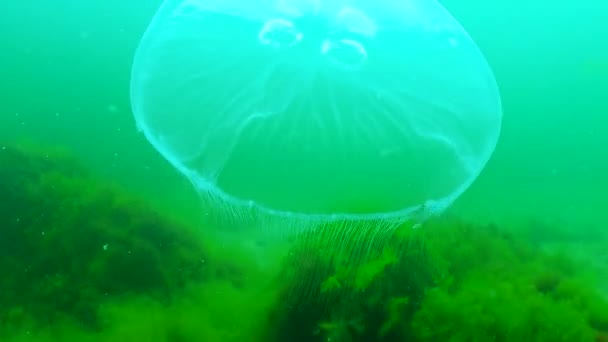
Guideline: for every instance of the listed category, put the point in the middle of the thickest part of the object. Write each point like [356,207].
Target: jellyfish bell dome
[317,108]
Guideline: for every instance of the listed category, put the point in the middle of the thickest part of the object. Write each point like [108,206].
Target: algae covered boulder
[69,242]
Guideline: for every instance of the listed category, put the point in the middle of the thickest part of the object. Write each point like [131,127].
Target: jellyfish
[293,115]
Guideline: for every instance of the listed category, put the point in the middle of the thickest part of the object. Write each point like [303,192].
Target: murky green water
[64,83]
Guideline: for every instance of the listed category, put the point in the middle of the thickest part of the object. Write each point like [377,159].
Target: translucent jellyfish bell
[317,110]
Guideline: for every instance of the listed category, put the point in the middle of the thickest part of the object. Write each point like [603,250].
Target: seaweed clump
[69,244]
[455,281]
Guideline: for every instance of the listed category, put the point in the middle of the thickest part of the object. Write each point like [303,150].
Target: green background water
[64,78]
[65,65]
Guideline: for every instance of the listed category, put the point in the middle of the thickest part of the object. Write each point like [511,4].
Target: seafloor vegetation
[85,260]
